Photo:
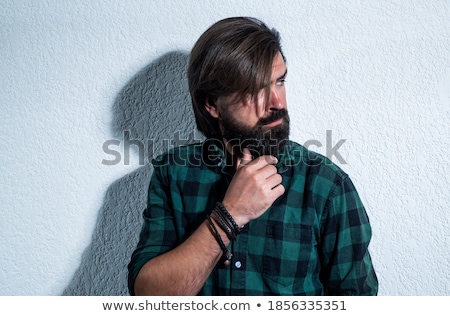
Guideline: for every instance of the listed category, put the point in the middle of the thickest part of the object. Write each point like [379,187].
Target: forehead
[278,66]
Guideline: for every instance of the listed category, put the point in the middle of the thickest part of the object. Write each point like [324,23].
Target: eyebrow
[283,75]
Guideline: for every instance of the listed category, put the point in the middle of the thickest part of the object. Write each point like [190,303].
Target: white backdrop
[373,73]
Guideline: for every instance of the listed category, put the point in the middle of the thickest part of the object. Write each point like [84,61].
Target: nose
[275,100]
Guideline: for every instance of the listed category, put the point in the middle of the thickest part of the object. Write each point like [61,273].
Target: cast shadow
[152,112]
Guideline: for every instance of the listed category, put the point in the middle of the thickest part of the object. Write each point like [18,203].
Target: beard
[257,140]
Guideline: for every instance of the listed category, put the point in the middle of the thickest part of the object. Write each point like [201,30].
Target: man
[248,212]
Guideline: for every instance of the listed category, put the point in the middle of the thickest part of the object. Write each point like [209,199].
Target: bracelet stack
[228,225]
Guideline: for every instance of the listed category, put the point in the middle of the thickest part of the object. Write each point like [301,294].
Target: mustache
[275,116]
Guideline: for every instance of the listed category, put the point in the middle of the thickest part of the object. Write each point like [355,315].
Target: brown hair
[234,55]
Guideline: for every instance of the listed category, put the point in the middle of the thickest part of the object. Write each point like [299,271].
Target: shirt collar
[214,154]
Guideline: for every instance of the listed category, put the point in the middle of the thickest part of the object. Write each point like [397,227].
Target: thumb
[246,158]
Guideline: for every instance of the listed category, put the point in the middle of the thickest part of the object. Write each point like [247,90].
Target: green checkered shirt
[313,240]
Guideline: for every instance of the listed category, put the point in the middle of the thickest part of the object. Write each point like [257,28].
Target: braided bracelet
[234,227]
[227,255]
[223,224]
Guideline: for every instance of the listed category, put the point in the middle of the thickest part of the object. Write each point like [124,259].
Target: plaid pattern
[312,241]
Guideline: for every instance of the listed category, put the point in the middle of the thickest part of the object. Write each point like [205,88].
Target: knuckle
[246,170]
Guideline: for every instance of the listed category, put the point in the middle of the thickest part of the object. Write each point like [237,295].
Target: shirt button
[238,264]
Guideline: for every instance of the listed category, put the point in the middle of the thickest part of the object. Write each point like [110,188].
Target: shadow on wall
[152,113]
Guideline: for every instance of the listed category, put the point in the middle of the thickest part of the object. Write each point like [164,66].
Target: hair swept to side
[234,55]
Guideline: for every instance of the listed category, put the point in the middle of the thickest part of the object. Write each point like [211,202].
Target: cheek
[250,113]
[260,108]
[283,95]
[249,119]
[254,115]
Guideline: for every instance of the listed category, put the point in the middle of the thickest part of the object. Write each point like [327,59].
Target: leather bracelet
[224,225]
[227,255]
[234,227]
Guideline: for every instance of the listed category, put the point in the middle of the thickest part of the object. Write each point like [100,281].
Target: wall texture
[90,92]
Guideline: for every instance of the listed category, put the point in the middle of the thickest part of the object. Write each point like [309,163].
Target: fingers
[278,190]
[246,158]
[273,181]
[267,173]
[260,170]
[259,162]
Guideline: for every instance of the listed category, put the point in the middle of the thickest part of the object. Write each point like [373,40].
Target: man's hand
[255,186]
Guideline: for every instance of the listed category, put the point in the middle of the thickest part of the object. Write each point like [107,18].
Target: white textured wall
[376,73]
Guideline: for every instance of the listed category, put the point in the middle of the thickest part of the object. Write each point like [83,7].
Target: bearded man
[248,211]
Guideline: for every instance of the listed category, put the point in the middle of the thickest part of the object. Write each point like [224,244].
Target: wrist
[222,236]
[221,211]
[225,232]
[240,220]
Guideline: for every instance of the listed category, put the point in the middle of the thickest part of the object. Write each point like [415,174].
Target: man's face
[260,126]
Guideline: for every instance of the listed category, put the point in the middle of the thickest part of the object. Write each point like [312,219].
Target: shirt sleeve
[158,233]
[347,267]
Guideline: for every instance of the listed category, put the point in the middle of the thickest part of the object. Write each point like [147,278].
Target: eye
[281,82]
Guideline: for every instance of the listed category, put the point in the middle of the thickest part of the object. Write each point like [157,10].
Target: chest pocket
[289,253]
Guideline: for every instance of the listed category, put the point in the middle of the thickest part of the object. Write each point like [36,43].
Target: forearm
[183,270]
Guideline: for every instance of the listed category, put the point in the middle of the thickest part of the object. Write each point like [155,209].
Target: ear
[212,109]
